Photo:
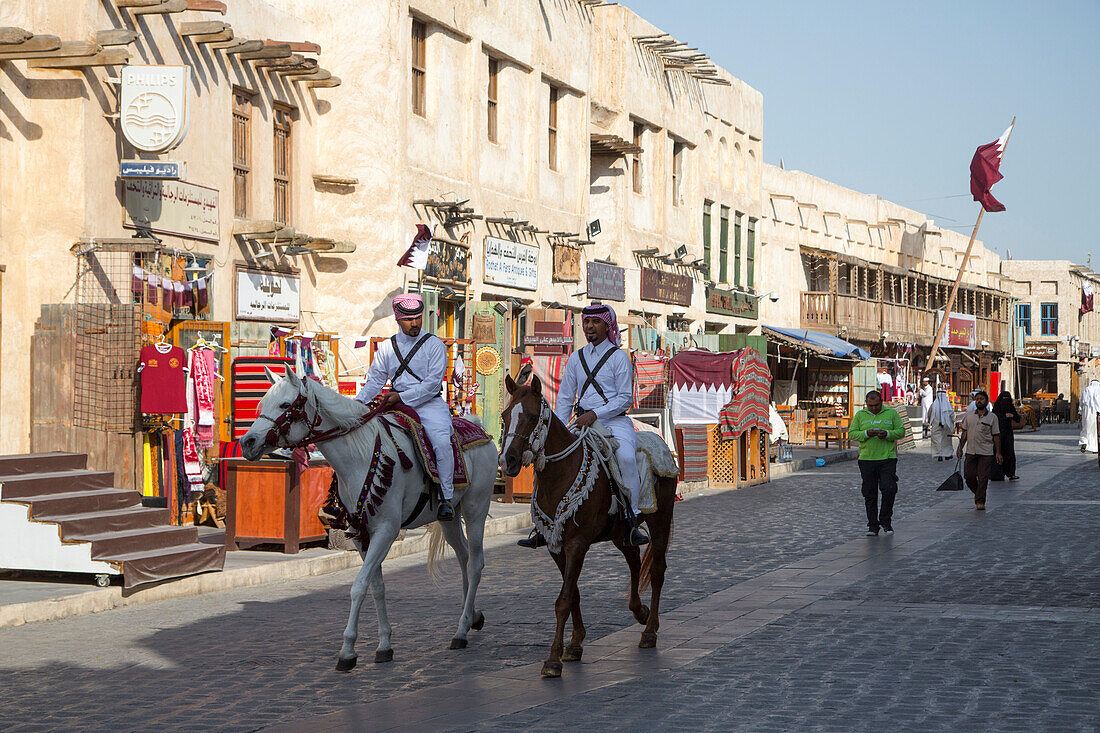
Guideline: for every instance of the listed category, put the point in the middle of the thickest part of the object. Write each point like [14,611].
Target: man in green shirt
[877,429]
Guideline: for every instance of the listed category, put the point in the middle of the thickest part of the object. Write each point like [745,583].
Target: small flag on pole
[985,170]
[416,256]
[1086,298]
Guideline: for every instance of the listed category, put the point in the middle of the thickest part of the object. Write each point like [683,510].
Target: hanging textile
[201,406]
[702,382]
[550,370]
[650,386]
[748,408]
[163,380]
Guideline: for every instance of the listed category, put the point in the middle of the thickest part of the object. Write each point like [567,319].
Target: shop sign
[172,169]
[513,264]
[1041,351]
[153,107]
[606,282]
[961,332]
[548,337]
[1083,349]
[731,303]
[666,287]
[171,207]
[1095,351]
[448,262]
[267,296]
[567,264]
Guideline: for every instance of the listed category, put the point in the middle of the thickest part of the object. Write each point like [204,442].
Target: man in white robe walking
[1090,406]
[926,397]
[415,364]
[941,421]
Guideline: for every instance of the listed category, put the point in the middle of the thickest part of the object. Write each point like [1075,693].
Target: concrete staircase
[55,514]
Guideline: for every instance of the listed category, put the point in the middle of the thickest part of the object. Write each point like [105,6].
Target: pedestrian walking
[981,443]
[927,396]
[1090,406]
[1008,419]
[941,421]
[877,429]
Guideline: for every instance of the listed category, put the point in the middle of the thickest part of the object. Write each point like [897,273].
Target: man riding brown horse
[598,385]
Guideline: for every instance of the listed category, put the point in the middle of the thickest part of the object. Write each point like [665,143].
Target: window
[494,70]
[552,131]
[282,157]
[419,67]
[636,161]
[724,245]
[737,224]
[1048,313]
[677,170]
[242,153]
[706,238]
[750,255]
[1023,317]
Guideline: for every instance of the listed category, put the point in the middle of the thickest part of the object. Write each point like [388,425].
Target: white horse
[296,412]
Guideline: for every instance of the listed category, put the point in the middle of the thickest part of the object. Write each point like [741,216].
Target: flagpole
[962,269]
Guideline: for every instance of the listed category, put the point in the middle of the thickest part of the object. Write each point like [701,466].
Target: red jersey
[163,382]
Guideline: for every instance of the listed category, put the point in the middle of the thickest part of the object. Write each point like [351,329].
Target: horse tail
[647,556]
[436,546]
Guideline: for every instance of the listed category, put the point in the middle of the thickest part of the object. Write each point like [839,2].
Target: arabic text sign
[152,169]
[606,282]
[267,296]
[511,263]
[666,287]
[172,207]
[962,331]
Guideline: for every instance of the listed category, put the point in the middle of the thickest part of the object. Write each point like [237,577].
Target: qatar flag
[985,170]
[1086,298]
[416,256]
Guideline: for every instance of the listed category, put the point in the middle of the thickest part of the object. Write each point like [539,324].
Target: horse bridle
[296,412]
[535,452]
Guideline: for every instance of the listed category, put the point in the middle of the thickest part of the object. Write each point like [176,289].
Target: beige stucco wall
[60,152]
[801,210]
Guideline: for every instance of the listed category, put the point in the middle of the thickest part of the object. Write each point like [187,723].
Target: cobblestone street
[777,615]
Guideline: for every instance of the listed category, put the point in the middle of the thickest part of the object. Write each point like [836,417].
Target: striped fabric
[691,444]
[550,370]
[650,387]
[249,386]
[749,406]
[907,441]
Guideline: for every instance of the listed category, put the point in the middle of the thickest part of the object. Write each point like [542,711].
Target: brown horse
[535,434]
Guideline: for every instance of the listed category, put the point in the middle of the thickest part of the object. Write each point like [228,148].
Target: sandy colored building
[1060,344]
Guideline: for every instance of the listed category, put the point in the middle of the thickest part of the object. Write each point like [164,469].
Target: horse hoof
[346,665]
[642,614]
[479,622]
[648,641]
[551,669]
[457,643]
[383,655]
[572,654]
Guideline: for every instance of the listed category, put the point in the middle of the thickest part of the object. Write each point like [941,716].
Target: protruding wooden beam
[319,75]
[202,28]
[226,35]
[137,3]
[167,6]
[71,48]
[118,56]
[115,37]
[331,82]
[291,60]
[206,6]
[278,51]
[334,180]
[308,66]
[11,35]
[240,46]
[34,44]
[296,46]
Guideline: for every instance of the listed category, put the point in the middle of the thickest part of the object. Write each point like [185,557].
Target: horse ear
[509,383]
[536,385]
[271,376]
[294,378]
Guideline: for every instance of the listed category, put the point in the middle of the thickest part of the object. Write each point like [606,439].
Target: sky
[892,98]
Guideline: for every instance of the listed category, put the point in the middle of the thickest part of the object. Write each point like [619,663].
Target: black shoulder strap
[404,360]
[590,374]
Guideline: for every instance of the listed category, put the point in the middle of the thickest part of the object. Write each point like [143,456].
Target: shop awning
[816,342]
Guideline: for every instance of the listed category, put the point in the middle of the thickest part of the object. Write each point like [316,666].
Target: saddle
[651,454]
[466,434]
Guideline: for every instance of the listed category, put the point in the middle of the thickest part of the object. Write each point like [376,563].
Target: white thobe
[616,380]
[420,388]
[1090,406]
[926,397]
[941,419]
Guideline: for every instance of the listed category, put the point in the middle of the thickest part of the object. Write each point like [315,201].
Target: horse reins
[280,425]
[536,440]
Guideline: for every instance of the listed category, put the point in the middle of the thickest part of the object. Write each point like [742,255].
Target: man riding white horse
[598,385]
[415,364]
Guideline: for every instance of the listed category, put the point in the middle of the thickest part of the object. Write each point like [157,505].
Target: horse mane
[340,410]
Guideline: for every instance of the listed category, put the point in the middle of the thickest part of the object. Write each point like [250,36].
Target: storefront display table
[269,502]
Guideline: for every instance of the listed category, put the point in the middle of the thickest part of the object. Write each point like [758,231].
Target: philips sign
[153,107]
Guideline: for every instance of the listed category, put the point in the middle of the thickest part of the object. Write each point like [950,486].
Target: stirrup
[533,540]
[637,537]
[444,513]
